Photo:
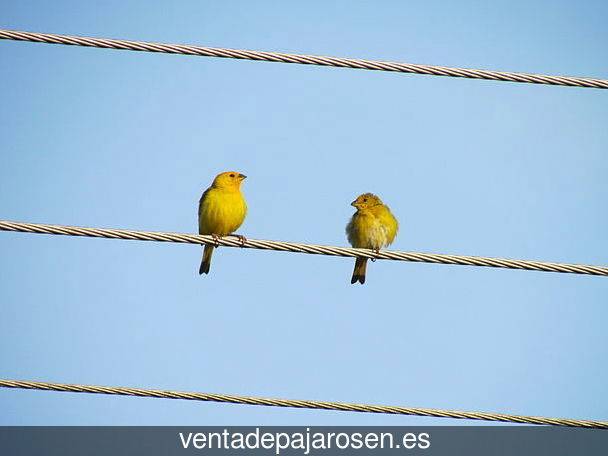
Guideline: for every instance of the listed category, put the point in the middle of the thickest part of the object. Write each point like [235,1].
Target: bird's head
[229,180]
[366,200]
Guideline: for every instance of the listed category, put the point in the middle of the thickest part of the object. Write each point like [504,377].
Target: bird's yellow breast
[221,211]
[372,229]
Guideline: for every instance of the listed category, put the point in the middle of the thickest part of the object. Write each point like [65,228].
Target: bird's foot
[216,239]
[376,251]
[242,239]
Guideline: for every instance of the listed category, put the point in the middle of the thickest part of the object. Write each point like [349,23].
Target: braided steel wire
[296,247]
[304,404]
[243,54]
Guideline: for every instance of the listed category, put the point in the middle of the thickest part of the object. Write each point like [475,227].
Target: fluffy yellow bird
[221,211]
[373,226]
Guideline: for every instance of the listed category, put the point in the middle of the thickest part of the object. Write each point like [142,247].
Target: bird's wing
[201,203]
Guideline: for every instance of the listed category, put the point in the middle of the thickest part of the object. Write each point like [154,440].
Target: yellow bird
[373,226]
[221,211]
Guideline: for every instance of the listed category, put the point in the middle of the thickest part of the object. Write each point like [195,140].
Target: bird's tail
[206,262]
[359,272]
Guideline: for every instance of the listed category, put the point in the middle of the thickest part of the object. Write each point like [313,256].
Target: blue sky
[130,140]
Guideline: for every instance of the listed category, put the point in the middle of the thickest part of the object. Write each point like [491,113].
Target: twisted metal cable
[304,404]
[363,64]
[296,247]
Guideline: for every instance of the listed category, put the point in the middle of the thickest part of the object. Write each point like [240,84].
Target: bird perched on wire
[373,226]
[221,211]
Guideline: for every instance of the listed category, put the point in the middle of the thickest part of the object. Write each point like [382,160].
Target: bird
[373,226]
[221,211]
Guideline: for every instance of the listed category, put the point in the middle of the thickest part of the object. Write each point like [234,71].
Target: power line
[243,54]
[303,404]
[296,247]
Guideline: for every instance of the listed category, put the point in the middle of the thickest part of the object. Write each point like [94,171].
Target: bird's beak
[354,203]
[242,176]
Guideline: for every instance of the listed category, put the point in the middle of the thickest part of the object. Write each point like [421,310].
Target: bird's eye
[365,200]
[232,175]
